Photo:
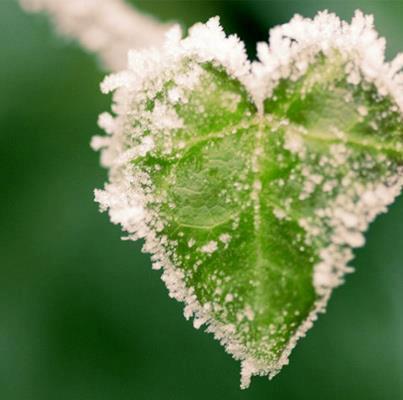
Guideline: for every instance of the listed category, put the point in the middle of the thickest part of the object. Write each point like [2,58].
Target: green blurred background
[82,315]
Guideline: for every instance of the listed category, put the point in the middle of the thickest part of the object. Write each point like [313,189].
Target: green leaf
[252,188]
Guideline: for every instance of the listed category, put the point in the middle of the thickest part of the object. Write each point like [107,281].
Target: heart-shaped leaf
[252,183]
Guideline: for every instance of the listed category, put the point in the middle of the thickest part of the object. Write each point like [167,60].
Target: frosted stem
[108,28]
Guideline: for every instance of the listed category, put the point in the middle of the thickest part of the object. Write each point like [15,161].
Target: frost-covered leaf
[252,183]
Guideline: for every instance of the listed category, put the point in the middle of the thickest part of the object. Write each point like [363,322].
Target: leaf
[251,184]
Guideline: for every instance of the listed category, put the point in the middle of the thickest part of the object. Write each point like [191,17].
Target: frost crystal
[210,247]
[293,47]
[251,184]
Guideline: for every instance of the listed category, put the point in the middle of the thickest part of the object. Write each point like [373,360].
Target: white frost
[109,28]
[293,46]
[210,247]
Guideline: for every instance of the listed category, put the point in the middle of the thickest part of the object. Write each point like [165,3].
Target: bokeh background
[82,315]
